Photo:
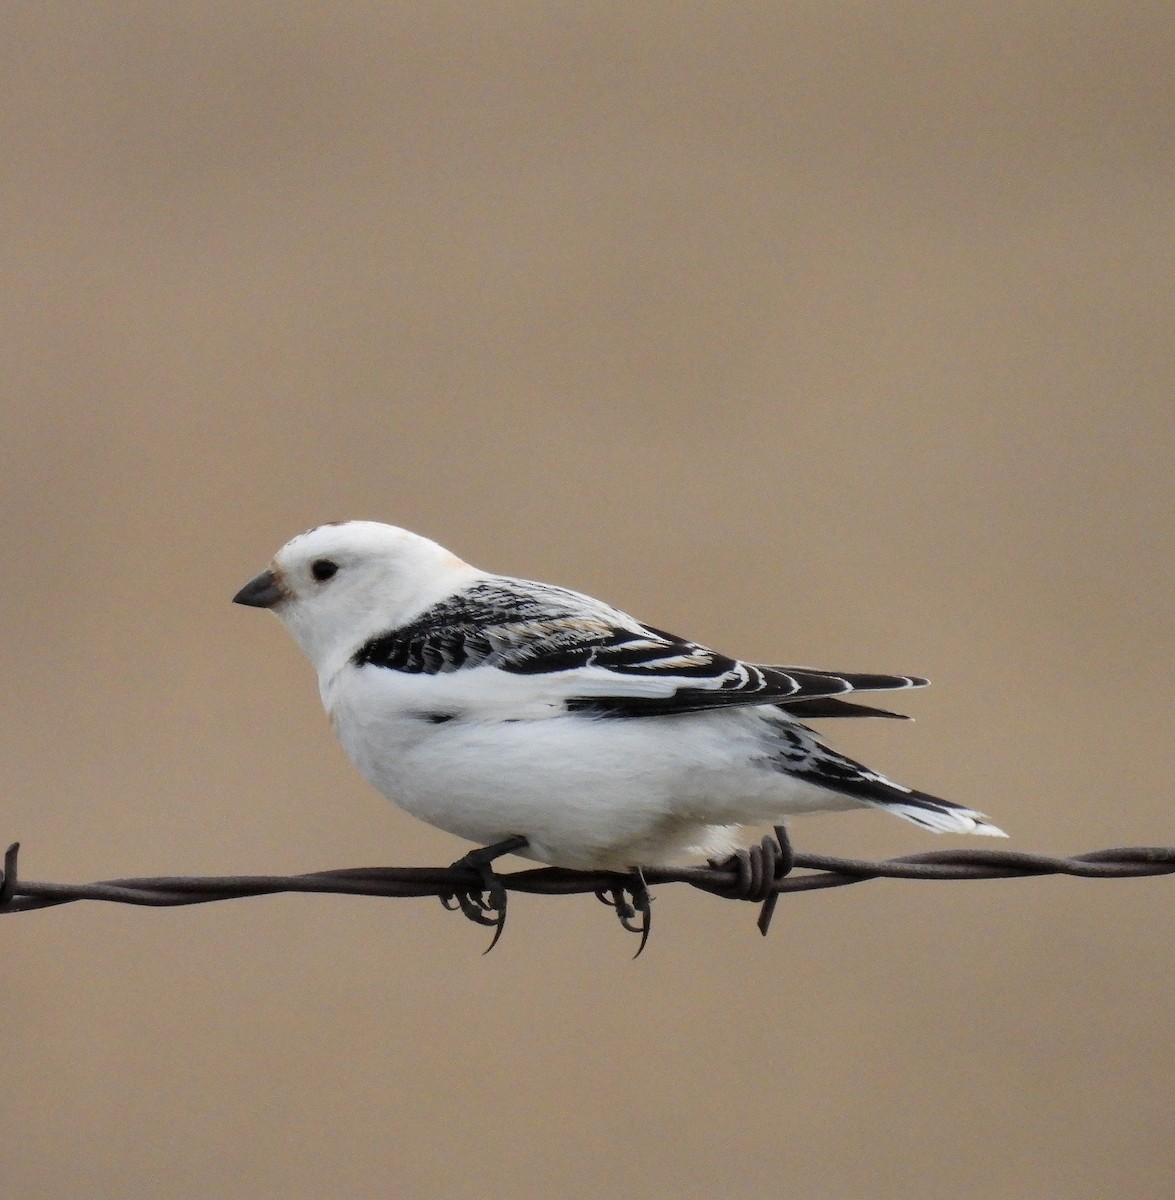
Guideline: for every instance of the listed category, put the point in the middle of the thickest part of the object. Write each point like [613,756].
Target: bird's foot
[633,905]
[756,871]
[486,905]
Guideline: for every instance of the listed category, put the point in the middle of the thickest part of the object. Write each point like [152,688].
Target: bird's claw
[485,906]
[635,915]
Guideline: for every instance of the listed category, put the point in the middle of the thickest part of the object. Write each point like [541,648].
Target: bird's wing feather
[829,706]
[604,660]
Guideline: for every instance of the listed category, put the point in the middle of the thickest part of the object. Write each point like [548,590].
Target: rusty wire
[760,875]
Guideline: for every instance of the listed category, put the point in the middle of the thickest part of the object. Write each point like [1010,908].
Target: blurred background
[827,334]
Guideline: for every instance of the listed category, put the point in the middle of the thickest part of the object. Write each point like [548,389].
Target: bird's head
[338,585]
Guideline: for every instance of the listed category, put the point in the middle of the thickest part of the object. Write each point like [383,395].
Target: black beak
[263,592]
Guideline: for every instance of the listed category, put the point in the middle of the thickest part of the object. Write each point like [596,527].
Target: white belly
[586,792]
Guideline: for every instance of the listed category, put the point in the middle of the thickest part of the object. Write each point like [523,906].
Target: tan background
[829,333]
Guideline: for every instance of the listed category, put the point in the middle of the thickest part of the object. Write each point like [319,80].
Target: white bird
[533,719]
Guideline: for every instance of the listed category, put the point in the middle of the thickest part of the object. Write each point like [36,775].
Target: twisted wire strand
[760,875]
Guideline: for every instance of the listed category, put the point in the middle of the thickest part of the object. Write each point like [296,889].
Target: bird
[531,719]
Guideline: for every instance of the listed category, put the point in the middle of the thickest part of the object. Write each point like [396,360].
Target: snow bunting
[529,718]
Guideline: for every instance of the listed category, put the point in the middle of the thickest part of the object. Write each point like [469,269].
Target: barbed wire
[759,875]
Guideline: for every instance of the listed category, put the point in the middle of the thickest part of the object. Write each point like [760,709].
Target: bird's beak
[263,592]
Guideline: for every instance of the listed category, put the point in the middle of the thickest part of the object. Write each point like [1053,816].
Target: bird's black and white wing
[605,661]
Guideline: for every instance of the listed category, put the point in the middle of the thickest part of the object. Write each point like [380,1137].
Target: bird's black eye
[322,569]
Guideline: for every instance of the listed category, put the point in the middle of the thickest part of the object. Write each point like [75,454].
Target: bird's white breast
[586,791]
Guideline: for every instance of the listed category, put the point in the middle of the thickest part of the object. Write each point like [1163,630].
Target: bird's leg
[637,916]
[488,905]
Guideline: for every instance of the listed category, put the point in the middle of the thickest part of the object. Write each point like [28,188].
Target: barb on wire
[759,875]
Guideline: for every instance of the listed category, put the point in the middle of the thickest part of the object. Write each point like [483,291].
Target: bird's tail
[933,813]
[804,756]
[840,774]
